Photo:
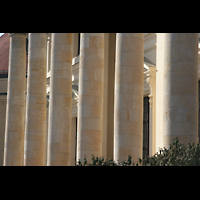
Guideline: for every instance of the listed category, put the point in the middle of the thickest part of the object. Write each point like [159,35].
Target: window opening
[146,127]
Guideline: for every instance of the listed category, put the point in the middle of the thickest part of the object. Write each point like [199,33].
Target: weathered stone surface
[60,107]
[128,108]
[15,113]
[180,88]
[90,105]
[35,128]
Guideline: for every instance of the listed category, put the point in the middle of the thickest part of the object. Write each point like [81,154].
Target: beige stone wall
[3,85]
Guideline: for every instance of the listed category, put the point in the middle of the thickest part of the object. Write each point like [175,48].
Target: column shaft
[180,87]
[90,105]
[128,108]
[35,129]
[15,113]
[60,106]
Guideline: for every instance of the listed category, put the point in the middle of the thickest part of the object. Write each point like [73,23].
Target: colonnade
[25,135]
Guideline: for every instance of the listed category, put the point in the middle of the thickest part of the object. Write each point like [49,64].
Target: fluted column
[128,108]
[60,106]
[90,105]
[35,129]
[15,113]
[180,87]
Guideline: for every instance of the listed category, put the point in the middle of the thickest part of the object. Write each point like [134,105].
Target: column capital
[150,74]
[150,78]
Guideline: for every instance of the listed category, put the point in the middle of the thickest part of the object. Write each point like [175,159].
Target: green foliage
[176,155]
[98,161]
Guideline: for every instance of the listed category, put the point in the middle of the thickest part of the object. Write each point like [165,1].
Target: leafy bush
[176,155]
[101,162]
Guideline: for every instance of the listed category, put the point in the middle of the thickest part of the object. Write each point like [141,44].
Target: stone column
[60,106]
[15,114]
[90,104]
[180,87]
[159,89]
[35,128]
[128,108]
